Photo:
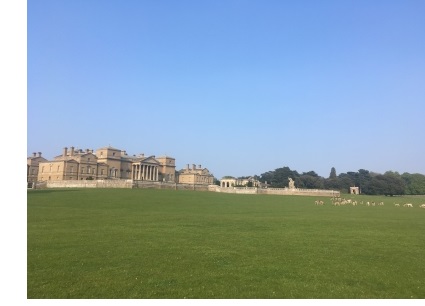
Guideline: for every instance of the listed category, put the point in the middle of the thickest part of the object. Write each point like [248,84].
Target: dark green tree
[415,183]
[346,181]
[332,184]
[388,184]
[363,181]
[332,175]
[279,177]
[310,180]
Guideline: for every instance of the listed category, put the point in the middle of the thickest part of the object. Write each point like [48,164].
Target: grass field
[142,243]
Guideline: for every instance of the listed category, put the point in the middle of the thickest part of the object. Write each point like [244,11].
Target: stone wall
[90,184]
[277,191]
[169,185]
[117,184]
[176,186]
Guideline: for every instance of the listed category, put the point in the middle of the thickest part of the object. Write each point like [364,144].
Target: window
[102,171]
[113,154]
[88,159]
[82,170]
[42,169]
[72,169]
[32,171]
[58,168]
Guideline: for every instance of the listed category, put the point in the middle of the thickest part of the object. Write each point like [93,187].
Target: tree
[332,183]
[332,175]
[394,183]
[388,184]
[279,177]
[415,183]
[310,173]
[311,182]
[345,181]
[363,180]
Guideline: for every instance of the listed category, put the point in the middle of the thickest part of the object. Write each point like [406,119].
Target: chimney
[34,154]
[187,167]
[193,166]
[39,154]
[72,151]
[199,167]
[87,151]
[65,151]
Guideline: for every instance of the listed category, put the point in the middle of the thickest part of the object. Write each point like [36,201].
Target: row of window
[89,170]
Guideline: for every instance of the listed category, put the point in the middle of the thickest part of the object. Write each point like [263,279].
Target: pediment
[148,160]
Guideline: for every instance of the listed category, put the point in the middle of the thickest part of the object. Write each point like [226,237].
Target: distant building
[230,181]
[195,175]
[71,165]
[33,166]
[354,190]
[105,163]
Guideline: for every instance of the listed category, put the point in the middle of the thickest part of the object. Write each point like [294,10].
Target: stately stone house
[195,175]
[112,163]
[33,166]
[106,163]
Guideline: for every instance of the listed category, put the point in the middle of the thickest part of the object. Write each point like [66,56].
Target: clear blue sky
[240,87]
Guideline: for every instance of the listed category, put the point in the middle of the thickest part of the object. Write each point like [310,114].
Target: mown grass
[140,243]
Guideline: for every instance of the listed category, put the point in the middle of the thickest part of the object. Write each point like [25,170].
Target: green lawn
[144,243]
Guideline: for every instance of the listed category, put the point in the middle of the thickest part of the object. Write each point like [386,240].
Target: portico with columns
[145,170]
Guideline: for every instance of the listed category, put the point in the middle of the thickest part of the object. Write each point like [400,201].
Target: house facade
[104,163]
[33,166]
[230,181]
[195,175]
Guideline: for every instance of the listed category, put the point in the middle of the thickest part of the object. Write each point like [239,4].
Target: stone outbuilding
[195,175]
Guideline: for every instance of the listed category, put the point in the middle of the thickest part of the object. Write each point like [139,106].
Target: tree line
[390,183]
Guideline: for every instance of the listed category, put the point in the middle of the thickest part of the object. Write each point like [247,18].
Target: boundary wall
[277,191]
[87,184]
[116,184]
[167,185]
